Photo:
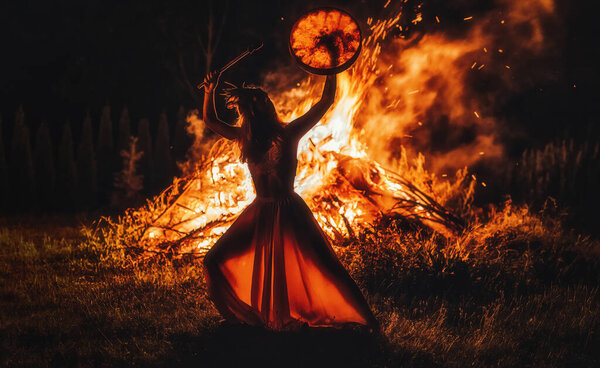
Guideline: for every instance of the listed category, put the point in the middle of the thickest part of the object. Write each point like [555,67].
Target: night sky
[61,59]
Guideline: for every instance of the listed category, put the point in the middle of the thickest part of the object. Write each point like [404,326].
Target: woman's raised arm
[209,111]
[304,123]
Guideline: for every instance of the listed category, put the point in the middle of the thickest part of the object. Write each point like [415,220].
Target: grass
[515,289]
[567,171]
[67,301]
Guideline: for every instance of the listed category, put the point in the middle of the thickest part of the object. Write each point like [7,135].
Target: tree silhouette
[21,166]
[106,155]
[162,154]
[128,181]
[86,166]
[44,167]
[66,173]
[124,130]
[195,40]
[3,173]
[147,161]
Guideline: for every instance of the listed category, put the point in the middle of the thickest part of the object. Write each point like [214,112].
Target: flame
[386,107]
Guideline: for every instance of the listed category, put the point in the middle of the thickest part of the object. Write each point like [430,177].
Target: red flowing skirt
[274,267]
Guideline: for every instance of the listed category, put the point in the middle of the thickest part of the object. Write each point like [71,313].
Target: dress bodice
[273,174]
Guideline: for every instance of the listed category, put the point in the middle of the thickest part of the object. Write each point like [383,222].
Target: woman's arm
[303,124]
[209,111]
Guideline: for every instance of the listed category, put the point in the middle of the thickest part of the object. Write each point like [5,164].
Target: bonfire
[342,174]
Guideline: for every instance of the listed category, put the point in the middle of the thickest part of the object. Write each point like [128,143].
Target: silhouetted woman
[274,267]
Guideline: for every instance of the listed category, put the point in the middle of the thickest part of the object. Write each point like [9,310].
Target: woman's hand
[209,112]
[211,81]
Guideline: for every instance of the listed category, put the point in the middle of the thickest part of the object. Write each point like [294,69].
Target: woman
[274,267]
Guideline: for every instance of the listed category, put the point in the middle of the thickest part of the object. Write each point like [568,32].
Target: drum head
[325,41]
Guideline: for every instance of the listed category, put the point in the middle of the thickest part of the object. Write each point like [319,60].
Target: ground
[513,292]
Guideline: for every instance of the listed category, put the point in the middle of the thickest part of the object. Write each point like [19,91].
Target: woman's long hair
[259,121]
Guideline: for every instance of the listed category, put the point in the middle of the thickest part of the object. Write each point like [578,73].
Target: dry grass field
[515,289]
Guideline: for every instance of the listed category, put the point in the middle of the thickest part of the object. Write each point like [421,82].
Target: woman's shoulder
[286,132]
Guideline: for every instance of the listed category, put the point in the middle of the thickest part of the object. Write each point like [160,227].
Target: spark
[476,114]
[468,18]
[418,18]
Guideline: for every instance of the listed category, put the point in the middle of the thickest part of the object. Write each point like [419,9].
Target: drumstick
[250,50]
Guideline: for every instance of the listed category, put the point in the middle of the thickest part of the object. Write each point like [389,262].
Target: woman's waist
[275,196]
[267,186]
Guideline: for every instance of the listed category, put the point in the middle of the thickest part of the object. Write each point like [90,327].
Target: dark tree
[107,158]
[66,173]
[21,166]
[162,154]
[183,140]
[124,130]
[146,163]
[86,166]
[195,40]
[128,181]
[3,173]
[44,167]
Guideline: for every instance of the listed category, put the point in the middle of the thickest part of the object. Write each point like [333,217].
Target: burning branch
[338,171]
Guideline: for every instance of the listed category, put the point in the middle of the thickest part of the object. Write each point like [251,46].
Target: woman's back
[274,169]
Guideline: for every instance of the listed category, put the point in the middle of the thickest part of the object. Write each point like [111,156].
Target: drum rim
[326,71]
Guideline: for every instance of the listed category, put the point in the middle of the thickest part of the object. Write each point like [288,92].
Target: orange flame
[384,103]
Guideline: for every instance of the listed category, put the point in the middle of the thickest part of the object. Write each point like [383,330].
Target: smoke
[196,128]
[442,94]
[440,91]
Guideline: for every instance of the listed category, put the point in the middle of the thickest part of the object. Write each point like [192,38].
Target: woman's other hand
[211,81]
